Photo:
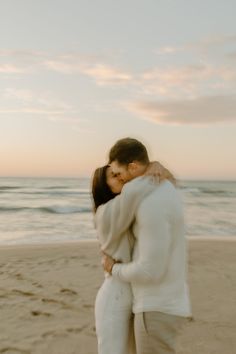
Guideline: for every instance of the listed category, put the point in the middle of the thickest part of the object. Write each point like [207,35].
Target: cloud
[174,81]
[211,42]
[31,110]
[201,110]
[11,69]
[19,94]
[34,61]
[24,96]
[21,101]
[63,66]
[173,75]
[203,45]
[188,81]
[15,61]
[167,50]
[21,53]
[20,61]
[104,74]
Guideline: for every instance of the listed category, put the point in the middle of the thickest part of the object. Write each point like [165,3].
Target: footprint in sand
[55,333]
[40,313]
[88,306]
[68,291]
[12,350]
[76,329]
[22,292]
[19,276]
[53,301]
[57,302]
[37,285]
[63,332]
[90,265]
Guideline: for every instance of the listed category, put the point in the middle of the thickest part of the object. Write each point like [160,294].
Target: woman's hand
[159,172]
[108,263]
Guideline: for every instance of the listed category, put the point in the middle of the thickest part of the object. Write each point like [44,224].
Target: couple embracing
[144,298]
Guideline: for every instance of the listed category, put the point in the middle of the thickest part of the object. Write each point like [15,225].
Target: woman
[113,306]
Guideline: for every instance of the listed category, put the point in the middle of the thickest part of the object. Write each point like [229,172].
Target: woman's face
[113,181]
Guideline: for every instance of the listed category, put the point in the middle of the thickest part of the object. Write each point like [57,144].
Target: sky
[76,76]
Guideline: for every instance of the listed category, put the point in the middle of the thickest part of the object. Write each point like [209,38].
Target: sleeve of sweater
[153,247]
[116,216]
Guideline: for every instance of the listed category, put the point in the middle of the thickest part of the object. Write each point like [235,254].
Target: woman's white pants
[114,318]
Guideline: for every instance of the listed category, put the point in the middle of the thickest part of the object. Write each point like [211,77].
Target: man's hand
[108,263]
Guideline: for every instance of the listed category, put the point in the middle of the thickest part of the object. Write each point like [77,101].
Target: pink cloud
[201,110]
[188,81]
[104,74]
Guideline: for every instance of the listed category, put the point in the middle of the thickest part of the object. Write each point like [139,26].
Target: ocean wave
[58,187]
[46,192]
[3,188]
[213,192]
[190,189]
[217,192]
[49,209]
[65,209]
[13,209]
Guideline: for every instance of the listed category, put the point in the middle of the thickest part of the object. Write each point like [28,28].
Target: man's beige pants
[155,332]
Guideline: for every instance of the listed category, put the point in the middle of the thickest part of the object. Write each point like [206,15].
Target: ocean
[51,210]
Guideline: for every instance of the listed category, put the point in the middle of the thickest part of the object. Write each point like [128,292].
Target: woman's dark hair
[100,189]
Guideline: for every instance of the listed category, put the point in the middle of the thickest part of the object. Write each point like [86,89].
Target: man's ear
[132,166]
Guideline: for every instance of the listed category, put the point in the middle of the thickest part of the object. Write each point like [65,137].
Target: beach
[47,295]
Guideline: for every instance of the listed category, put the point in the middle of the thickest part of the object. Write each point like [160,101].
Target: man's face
[121,171]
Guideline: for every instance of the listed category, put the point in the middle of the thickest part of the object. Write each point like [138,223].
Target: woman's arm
[158,171]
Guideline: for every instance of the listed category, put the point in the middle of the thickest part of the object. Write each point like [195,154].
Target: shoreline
[93,241]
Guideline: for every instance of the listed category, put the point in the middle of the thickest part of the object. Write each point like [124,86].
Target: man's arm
[115,217]
[154,250]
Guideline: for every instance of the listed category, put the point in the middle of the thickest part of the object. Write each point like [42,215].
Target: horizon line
[190,179]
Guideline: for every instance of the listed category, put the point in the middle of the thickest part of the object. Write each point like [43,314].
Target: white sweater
[158,270]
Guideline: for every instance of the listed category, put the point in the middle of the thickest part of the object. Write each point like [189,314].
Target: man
[158,271]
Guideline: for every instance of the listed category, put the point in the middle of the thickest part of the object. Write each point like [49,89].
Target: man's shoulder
[162,191]
[138,182]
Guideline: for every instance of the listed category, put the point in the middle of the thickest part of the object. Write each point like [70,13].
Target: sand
[47,296]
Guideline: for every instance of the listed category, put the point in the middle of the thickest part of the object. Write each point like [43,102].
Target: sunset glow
[76,76]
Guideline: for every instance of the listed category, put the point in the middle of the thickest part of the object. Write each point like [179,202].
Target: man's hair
[128,150]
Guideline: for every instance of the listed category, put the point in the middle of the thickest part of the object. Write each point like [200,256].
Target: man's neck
[142,169]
